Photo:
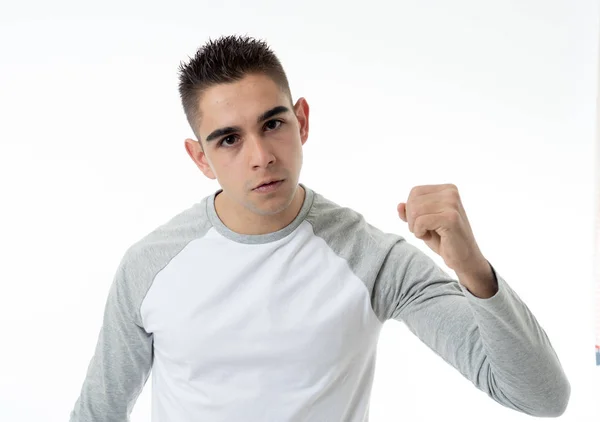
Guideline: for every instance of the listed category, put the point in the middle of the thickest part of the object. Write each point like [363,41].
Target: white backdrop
[497,97]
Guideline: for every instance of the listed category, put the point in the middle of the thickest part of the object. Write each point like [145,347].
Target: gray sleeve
[496,343]
[123,356]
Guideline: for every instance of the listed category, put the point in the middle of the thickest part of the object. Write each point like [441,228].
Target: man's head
[237,100]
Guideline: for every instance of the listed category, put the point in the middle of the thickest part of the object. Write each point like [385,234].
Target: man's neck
[252,224]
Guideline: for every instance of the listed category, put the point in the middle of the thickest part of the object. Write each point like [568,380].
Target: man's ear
[302,111]
[196,153]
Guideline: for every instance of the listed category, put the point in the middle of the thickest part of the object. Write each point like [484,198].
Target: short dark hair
[224,60]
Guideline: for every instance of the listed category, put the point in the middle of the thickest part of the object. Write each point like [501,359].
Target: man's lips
[270,183]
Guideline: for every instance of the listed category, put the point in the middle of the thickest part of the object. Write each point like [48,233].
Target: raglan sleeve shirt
[494,342]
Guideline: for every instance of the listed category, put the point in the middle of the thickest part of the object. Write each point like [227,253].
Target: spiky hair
[225,60]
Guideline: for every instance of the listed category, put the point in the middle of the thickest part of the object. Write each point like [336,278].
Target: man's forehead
[235,113]
[238,109]
[251,89]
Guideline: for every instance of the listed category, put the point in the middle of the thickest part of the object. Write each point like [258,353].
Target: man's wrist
[481,282]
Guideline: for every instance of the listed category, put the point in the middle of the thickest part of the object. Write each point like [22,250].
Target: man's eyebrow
[231,129]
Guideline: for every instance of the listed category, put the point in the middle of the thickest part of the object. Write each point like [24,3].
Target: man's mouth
[268,186]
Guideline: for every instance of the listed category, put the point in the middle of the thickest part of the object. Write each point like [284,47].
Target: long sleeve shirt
[284,326]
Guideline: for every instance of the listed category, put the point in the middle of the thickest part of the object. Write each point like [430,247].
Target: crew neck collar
[258,238]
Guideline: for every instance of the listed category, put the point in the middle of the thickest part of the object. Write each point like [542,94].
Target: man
[264,301]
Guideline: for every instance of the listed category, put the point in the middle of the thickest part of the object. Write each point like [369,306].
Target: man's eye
[225,139]
[274,121]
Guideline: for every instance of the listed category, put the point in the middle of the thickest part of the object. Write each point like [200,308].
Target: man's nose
[260,152]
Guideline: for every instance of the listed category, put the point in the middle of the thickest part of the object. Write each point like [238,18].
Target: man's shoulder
[333,220]
[184,226]
[326,209]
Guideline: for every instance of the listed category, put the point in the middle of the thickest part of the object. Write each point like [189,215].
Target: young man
[264,301]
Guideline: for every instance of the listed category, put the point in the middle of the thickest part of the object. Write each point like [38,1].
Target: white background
[497,97]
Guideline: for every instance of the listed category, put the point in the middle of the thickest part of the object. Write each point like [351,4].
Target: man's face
[253,147]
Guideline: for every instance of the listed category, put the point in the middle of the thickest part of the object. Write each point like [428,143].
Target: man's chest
[274,318]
